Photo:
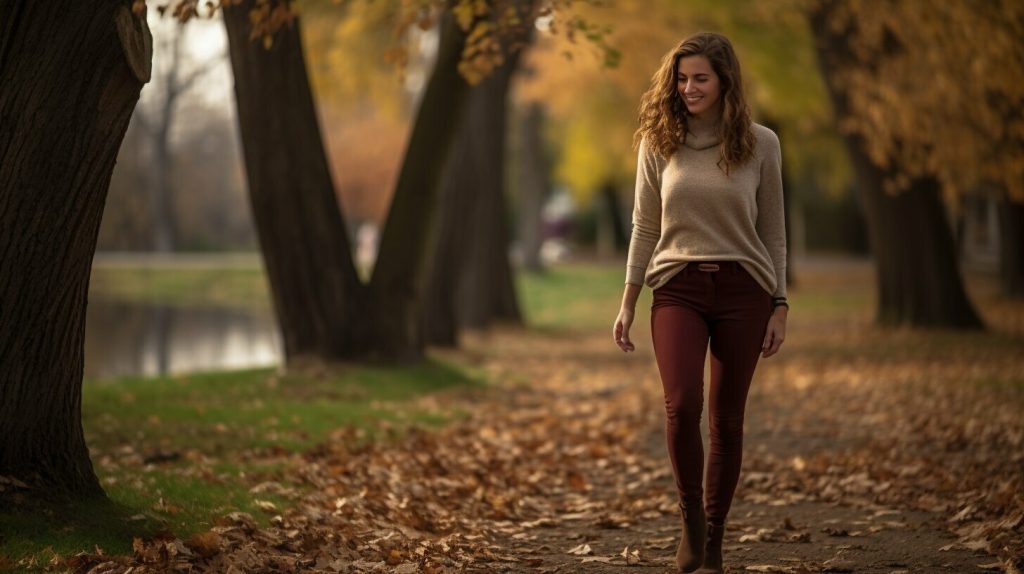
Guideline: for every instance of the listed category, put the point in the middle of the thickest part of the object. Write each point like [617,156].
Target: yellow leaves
[267,18]
[931,86]
[465,11]
[481,54]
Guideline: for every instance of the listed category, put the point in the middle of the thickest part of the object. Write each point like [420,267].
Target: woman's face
[698,84]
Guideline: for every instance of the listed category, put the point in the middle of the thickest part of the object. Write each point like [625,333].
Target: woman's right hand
[620,331]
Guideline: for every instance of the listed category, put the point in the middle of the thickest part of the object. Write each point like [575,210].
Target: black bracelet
[779,304]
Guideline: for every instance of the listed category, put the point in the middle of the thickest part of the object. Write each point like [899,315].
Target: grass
[224,430]
[237,287]
[575,297]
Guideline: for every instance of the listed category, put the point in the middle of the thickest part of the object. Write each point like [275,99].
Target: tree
[70,76]
[918,274]
[325,312]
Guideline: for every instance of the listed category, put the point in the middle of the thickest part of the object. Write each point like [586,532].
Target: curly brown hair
[664,117]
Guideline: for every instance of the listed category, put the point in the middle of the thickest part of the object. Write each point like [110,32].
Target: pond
[132,338]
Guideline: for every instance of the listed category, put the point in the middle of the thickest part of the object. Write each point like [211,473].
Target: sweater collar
[702,133]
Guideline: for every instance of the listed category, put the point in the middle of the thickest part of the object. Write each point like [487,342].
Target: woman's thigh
[736,336]
[680,333]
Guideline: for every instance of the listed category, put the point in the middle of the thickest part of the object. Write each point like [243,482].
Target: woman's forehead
[694,65]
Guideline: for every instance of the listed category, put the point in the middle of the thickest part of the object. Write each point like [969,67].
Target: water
[123,338]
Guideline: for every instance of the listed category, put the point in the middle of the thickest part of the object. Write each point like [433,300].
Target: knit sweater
[687,209]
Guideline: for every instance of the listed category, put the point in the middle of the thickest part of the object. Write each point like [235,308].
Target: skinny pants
[731,310]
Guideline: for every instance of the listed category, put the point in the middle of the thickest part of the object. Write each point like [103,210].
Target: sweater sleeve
[646,214]
[771,218]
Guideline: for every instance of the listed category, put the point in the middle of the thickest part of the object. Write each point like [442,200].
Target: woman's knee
[685,409]
[726,428]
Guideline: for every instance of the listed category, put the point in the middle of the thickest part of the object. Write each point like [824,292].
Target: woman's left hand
[775,334]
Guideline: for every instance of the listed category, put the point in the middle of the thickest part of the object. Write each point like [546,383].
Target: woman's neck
[703,129]
[707,121]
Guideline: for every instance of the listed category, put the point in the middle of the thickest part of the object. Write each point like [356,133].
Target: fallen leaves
[569,453]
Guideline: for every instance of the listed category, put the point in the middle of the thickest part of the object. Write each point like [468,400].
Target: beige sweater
[687,209]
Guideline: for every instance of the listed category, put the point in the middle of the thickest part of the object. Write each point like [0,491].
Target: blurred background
[178,284]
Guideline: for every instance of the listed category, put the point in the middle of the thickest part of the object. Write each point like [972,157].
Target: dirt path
[767,532]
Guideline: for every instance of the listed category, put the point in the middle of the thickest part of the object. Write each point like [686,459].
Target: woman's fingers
[621,333]
[772,341]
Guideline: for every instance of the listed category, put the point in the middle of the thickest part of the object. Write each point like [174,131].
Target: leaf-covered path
[866,451]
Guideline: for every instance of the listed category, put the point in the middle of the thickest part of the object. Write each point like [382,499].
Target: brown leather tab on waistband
[708,266]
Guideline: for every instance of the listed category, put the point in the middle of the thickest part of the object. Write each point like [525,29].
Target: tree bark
[401,274]
[448,262]
[535,184]
[1011,246]
[917,268]
[487,291]
[57,154]
[318,299]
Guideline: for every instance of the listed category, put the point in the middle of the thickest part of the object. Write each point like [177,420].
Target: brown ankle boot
[713,550]
[690,553]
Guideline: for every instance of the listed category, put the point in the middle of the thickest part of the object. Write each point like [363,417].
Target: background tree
[910,149]
[472,281]
[56,157]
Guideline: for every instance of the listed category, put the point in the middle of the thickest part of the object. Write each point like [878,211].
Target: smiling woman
[708,192]
[699,86]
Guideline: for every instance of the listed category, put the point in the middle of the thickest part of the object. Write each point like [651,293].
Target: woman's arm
[771,228]
[771,211]
[645,235]
[646,214]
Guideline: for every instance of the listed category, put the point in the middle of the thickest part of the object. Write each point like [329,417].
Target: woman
[709,239]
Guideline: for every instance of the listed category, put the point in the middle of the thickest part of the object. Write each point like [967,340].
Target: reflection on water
[141,339]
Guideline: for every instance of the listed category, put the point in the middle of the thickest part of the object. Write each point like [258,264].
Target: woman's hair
[663,115]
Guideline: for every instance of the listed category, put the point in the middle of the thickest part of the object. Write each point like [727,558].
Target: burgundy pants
[731,309]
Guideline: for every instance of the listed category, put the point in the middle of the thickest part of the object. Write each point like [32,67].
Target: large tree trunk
[318,299]
[487,290]
[534,186]
[70,76]
[401,274]
[448,261]
[1011,246]
[917,269]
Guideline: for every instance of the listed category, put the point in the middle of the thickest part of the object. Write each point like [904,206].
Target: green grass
[232,287]
[579,296]
[42,531]
[226,429]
